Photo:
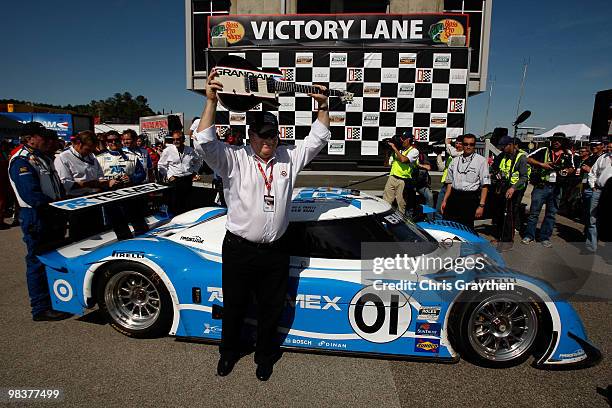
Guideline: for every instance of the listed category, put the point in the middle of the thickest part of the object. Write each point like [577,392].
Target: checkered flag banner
[288,74]
[455,105]
[421,135]
[286,133]
[423,75]
[353,133]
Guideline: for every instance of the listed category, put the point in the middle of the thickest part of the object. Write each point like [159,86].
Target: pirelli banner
[421,90]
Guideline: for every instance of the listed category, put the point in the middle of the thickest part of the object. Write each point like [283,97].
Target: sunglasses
[111,141]
[469,144]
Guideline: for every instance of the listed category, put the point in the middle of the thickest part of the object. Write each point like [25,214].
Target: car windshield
[343,238]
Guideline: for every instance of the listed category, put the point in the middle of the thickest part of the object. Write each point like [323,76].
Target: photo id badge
[268,203]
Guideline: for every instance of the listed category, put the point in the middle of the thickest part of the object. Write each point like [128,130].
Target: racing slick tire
[134,300]
[499,329]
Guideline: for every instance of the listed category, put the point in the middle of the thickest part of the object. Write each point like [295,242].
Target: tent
[103,127]
[574,131]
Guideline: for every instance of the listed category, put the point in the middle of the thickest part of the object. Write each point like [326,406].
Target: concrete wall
[416,6]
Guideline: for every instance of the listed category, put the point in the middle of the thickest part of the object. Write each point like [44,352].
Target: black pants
[264,270]
[128,211]
[505,215]
[461,207]
[180,195]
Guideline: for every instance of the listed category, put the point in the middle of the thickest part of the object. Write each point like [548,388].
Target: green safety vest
[512,174]
[449,159]
[403,170]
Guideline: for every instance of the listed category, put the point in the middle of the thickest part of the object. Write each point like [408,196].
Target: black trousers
[461,207]
[180,196]
[129,211]
[264,270]
[505,215]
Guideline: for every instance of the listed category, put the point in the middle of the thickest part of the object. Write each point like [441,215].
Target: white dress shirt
[468,173]
[172,163]
[72,167]
[244,187]
[601,171]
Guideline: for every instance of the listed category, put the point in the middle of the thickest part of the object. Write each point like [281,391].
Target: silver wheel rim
[132,300]
[502,327]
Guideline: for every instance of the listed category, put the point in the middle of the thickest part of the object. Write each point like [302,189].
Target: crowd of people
[473,184]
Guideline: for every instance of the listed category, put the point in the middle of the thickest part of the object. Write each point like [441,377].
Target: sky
[74,51]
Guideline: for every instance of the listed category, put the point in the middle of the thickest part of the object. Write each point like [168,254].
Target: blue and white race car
[168,282]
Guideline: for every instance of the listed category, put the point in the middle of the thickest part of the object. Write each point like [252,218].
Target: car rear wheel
[134,300]
[499,329]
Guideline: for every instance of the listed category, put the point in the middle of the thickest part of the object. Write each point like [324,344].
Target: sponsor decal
[332,344]
[237,118]
[195,239]
[442,61]
[215,294]
[232,30]
[352,133]
[62,290]
[354,75]
[388,105]
[407,59]
[299,342]
[370,119]
[406,90]
[438,120]
[443,29]
[427,345]
[303,59]
[429,313]
[371,90]
[101,198]
[286,132]
[424,75]
[577,353]
[283,173]
[427,329]
[336,118]
[304,301]
[456,105]
[288,74]
[389,75]
[335,147]
[222,71]
[222,130]
[337,59]
[128,254]
[421,134]
[211,329]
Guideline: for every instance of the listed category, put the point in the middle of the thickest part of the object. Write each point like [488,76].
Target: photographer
[549,164]
[510,173]
[400,185]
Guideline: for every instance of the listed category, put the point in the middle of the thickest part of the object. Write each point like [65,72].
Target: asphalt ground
[97,366]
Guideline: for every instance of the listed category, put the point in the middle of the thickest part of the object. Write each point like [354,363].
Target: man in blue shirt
[36,184]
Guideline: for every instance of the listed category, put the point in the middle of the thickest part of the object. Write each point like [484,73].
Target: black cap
[406,134]
[263,123]
[33,128]
[596,141]
[559,136]
[505,140]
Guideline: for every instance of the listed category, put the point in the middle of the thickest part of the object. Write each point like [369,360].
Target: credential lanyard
[267,182]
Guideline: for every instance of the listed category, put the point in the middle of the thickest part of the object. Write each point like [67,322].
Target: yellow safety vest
[402,170]
[449,159]
[512,174]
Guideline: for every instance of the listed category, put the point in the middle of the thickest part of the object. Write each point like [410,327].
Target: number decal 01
[379,316]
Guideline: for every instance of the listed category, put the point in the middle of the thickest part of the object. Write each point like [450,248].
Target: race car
[168,282]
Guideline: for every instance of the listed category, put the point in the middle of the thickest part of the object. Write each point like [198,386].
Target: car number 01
[379,316]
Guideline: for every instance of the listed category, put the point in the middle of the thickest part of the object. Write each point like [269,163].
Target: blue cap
[505,140]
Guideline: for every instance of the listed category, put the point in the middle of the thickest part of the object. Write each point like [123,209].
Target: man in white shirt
[178,165]
[598,177]
[81,174]
[258,184]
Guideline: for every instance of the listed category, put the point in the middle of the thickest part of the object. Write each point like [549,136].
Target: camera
[395,140]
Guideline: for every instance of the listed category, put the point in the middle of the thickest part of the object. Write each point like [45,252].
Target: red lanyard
[267,182]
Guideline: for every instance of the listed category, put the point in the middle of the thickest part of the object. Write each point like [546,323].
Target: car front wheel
[134,300]
[499,329]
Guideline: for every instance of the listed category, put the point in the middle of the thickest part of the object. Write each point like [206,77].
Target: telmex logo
[232,30]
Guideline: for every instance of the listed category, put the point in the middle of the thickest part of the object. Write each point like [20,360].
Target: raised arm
[215,153]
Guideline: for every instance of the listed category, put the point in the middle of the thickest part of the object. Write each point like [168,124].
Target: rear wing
[79,203]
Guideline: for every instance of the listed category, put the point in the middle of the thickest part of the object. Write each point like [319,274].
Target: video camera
[395,140]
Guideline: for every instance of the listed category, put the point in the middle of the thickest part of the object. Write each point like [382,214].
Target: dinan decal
[195,239]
